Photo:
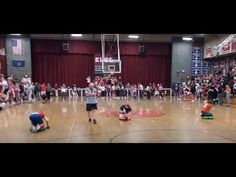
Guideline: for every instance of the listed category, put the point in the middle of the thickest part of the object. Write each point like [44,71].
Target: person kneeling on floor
[125,112]
[206,108]
[37,120]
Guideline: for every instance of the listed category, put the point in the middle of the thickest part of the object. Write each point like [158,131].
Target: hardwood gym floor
[165,121]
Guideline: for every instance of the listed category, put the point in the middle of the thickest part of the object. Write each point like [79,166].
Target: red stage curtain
[62,68]
[51,64]
[146,69]
[91,47]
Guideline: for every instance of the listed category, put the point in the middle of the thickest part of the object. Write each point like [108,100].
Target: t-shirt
[140,87]
[91,99]
[228,90]
[88,80]
[63,89]
[38,114]
[74,89]
[234,87]
[4,85]
[206,107]
[103,88]
[48,88]
[125,108]
[43,87]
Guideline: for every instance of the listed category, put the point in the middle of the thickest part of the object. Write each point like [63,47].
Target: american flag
[17,46]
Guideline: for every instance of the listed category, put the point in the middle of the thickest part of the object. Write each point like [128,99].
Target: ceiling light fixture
[15,34]
[76,35]
[187,38]
[133,36]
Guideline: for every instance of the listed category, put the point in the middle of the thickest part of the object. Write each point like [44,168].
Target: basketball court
[179,123]
[147,59]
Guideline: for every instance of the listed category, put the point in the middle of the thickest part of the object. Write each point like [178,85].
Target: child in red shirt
[206,108]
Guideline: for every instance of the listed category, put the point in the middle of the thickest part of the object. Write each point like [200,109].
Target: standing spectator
[117,92]
[99,89]
[33,89]
[43,92]
[228,92]
[156,93]
[103,91]
[122,92]
[210,94]
[91,102]
[234,88]
[119,80]
[43,89]
[74,91]
[113,91]
[4,85]
[128,88]
[160,90]
[48,92]
[56,90]
[22,92]
[220,94]
[215,94]
[140,88]
[108,91]
[63,92]
[38,91]
[29,92]
[148,90]
[11,93]
[135,91]
[176,91]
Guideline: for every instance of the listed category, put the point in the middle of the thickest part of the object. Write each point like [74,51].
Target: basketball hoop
[112,72]
[111,69]
[110,54]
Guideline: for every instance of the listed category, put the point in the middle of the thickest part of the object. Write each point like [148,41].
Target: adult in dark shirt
[220,94]
[48,92]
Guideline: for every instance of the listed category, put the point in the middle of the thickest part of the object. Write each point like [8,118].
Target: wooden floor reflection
[180,123]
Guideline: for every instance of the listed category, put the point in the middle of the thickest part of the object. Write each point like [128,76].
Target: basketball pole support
[104,38]
[110,43]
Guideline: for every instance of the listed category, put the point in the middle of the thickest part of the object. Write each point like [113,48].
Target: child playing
[206,108]
[125,112]
[37,120]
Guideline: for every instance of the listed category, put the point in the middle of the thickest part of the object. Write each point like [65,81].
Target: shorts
[44,97]
[103,93]
[90,107]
